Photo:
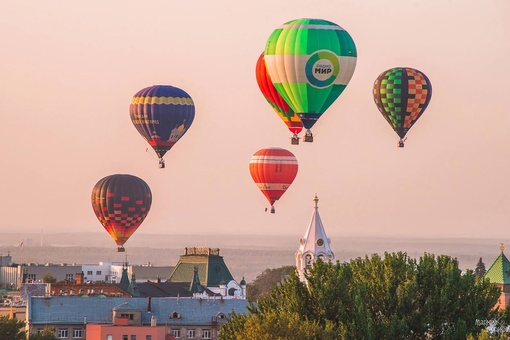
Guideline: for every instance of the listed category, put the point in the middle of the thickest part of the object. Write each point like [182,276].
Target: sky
[68,71]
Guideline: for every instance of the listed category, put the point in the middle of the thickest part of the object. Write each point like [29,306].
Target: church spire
[195,286]
[314,245]
[124,279]
[133,287]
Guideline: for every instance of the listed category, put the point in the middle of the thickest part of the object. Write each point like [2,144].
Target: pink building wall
[100,332]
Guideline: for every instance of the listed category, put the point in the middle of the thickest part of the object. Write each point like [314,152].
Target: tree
[48,333]
[12,329]
[394,297]
[480,269]
[269,278]
[48,278]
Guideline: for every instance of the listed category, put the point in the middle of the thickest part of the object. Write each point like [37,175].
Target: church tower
[314,245]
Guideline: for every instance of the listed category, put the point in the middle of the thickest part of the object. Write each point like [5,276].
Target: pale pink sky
[68,71]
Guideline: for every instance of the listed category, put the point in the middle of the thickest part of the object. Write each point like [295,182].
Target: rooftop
[499,271]
[78,310]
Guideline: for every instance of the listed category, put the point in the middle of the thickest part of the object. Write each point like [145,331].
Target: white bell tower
[314,245]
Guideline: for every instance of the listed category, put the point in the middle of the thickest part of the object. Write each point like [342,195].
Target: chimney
[149,306]
[153,321]
[79,278]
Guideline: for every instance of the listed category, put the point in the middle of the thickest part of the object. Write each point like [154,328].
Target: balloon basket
[161,164]
[294,140]
[308,138]
[272,210]
[120,249]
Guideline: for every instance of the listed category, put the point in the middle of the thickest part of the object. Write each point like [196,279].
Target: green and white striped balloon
[310,62]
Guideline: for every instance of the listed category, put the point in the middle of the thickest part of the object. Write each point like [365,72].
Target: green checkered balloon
[402,94]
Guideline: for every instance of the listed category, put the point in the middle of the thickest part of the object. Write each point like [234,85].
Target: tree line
[389,297]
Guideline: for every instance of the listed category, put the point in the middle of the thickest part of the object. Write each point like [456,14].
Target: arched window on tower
[308,260]
[322,258]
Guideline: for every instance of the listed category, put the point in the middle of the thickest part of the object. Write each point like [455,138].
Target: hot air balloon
[276,101]
[402,94]
[273,170]
[121,202]
[162,114]
[310,62]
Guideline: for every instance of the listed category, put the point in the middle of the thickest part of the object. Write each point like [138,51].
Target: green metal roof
[212,270]
[499,272]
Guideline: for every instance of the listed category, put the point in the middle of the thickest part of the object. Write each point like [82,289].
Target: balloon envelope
[275,99]
[310,62]
[273,170]
[121,202]
[402,94]
[162,114]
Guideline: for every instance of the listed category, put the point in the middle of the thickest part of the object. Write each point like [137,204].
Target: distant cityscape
[169,293]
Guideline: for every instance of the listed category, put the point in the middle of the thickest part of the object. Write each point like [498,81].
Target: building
[314,245]
[80,287]
[150,273]
[127,323]
[35,273]
[125,288]
[499,274]
[9,273]
[212,271]
[101,272]
[196,266]
[109,272]
[192,304]
[184,318]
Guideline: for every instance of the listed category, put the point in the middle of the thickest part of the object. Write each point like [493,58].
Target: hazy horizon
[246,256]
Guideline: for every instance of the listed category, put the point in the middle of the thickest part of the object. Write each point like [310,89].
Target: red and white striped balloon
[273,170]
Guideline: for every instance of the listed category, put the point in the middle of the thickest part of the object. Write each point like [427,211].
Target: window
[109,337]
[98,272]
[62,333]
[133,337]
[77,333]
[191,333]
[128,316]
[206,333]
[70,277]
[89,272]
[31,277]
[176,333]
[175,315]
[148,337]
[308,260]
[125,337]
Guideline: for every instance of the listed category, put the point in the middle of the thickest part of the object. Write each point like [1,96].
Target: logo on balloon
[322,69]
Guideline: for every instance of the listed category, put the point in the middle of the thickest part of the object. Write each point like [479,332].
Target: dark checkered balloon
[121,202]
